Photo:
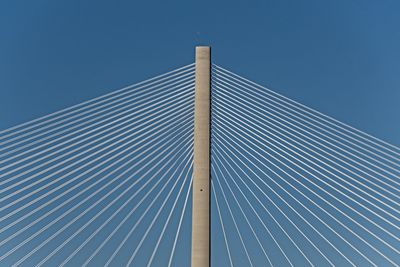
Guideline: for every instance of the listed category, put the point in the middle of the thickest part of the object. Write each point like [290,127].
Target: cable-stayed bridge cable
[107,182]
[136,103]
[243,118]
[380,227]
[97,170]
[228,164]
[274,138]
[279,106]
[154,104]
[118,92]
[215,159]
[222,225]
[111,217]
[362,135]
[175,130]
[262,116]
[74,170]
[179,109]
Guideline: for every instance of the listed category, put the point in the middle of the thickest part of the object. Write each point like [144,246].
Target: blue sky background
[339,57]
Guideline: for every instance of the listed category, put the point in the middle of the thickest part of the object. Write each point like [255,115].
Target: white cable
[286,233]
[112,121]
[129,214]
[84,103]
[82,174]
[104,224]
[74,170]
[241,114]
[96,117]
[347,242]
[282,115]
[307,110]
[222,226]
[74,220]
[233,218]
[322,189]
[330,132]
[127,137]
[178,230]
[214,156]
[217,157]
[166,224]
[121,130]
[95,130]
[347,196]
[145,212]
[110,182]
[386,231]
[86,189]
[268,115]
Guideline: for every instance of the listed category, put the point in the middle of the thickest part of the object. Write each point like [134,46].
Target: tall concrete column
[201,167]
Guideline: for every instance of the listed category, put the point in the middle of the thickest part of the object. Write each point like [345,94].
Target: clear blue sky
[340,57]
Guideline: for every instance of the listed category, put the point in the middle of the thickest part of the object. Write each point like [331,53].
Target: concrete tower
[201,167]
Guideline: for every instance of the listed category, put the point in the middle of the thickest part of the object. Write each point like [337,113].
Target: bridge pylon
[201,166]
